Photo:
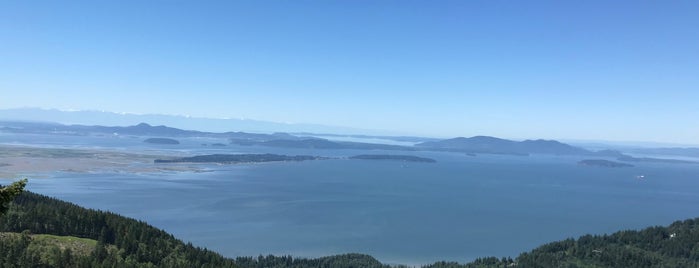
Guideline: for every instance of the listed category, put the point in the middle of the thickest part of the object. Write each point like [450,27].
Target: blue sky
[607,70]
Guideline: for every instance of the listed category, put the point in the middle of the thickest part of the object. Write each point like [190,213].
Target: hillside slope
[121,242]
[39,231]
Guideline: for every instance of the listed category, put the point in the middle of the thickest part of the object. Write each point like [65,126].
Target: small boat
[640,177]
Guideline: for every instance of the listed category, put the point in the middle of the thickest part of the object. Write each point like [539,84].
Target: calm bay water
[458,209]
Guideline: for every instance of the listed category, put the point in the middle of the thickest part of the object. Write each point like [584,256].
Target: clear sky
[610,70]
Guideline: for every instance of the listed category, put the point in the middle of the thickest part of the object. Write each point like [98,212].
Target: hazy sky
[613,70]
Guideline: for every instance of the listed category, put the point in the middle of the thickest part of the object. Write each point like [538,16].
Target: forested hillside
[674,246]
[38,231]
[120,241]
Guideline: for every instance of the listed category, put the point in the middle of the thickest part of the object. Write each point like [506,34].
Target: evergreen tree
[9,193]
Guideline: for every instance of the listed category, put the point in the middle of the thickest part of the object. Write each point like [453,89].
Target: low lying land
[161,141]
[238,158]
[603,163]
[18,161]
[654,160]
[407,158]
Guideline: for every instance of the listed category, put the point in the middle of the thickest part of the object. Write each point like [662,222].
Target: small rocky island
[603,163]
[407,158]
[238,158]
[161,141]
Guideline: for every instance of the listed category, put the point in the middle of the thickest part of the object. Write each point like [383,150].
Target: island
[407,158]
[161,141]
[603,163]
[238,158]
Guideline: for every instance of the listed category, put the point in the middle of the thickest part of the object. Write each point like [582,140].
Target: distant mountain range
[179,121]
[473,145]
[280,139]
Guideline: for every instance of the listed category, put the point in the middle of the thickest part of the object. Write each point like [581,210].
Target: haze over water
[459,208]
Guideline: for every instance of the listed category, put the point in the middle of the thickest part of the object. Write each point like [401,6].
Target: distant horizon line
[384,134]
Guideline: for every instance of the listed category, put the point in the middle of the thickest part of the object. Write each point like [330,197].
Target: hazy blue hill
[141,129]
[486,144]
[477,144]
[177,121]
[34,127]
[549,147]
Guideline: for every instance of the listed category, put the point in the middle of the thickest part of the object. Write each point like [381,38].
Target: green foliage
[489,262]
[339,261]
[35,250]
[674,246]
[8,193]
[120,241]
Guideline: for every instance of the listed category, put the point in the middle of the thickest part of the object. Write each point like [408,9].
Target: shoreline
[17,161]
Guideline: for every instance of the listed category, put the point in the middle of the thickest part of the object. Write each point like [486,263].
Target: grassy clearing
[47,243]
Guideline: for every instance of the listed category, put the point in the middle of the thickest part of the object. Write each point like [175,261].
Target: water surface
[459,208]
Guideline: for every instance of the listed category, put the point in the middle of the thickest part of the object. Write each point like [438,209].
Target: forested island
[406,158]
[161,141]
[239,158]
[603,163]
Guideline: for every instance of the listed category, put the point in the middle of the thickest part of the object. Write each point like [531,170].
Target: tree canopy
[9,193]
